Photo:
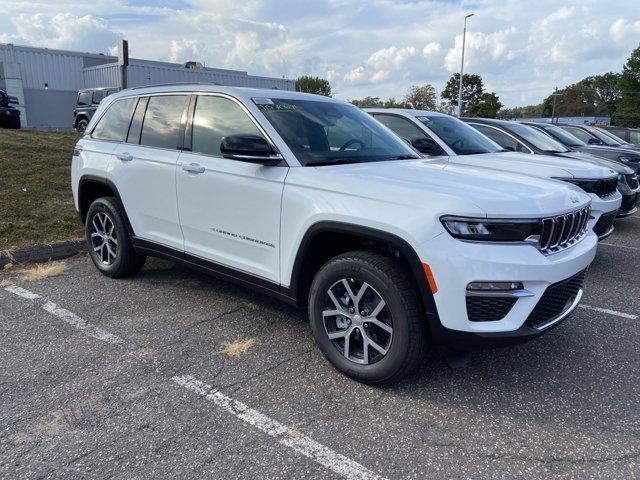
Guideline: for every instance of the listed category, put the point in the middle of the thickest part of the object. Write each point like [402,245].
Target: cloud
[63,31]
[364,47]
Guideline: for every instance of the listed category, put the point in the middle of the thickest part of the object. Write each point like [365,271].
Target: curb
[42,253]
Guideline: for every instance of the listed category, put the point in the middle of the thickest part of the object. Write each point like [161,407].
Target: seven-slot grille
[564,230]
[605,187]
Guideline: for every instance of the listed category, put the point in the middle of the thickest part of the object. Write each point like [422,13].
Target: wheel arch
[92,187]
[326,239]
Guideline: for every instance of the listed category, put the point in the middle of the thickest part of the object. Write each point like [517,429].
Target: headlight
[491,230]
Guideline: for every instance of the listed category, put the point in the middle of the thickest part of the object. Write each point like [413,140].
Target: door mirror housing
[427,146]
[594,141]
[249,148]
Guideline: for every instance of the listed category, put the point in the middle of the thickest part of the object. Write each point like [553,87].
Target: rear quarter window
[113,125]
[84,98]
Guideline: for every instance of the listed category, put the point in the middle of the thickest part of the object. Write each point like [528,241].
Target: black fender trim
[259,284]
[112,186]
[369,233]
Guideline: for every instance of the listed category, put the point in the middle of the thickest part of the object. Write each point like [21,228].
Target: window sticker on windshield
[262,101]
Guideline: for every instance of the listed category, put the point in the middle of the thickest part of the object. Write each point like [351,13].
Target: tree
[472,90]
[422,97]
[393,103]
[520,112]
[488,107]
[308,84]
[628,105]
[367,102]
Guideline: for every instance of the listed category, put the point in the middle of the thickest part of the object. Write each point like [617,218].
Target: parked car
[626,135]
[434,133]
[627,156]
[597,136]
[311,200]
[86,105]
[526,139]
[9,114]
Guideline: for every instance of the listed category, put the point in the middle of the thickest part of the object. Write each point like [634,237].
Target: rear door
[144,168]
[229,209]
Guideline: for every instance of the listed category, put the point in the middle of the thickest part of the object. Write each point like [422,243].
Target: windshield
[608,134]
[563,136]
[326,133]
[537,138]
[596,132]
[460,137]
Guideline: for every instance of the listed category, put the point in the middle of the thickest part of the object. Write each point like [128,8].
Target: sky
[521,48]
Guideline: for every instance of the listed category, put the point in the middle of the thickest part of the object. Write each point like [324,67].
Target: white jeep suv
[440,135]
[313,201]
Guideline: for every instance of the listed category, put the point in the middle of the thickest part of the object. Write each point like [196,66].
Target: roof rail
[173,83]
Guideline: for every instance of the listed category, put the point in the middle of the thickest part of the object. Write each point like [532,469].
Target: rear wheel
[108,240]
[81,126]
[367,318]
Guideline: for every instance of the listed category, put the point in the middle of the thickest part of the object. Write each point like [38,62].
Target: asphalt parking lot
[130,379]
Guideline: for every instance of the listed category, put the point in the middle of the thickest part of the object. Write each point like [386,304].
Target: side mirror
[594,141]
[249,148]
[427,146]
[509,148]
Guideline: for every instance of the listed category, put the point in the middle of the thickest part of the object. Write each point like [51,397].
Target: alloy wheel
[358,324]
[103,238]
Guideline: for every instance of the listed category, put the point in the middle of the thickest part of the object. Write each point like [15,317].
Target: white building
[46,82]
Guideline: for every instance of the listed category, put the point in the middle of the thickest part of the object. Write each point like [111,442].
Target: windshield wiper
[333,161]
[405,157]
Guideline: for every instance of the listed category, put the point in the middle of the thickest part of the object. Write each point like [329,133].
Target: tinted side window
[501,138]
[578,132]
[400,126]
[115,122]
[215,118]
[98,96]
[634,137]
[136,121]
[84,98]
[162,121]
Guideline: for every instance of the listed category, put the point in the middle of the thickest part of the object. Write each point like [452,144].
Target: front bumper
[628,205]
[455,264]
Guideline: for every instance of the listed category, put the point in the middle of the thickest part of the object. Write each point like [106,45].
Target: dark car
[629,157]
[627,135]
[87,103]
[517,137]
[9,114]
[598,136]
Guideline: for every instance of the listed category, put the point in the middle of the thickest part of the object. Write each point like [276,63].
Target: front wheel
[108,240]
[367,318]
[82,125]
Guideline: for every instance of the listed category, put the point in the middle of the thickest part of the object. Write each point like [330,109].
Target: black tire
[81,126]
[389,280]
[125,261]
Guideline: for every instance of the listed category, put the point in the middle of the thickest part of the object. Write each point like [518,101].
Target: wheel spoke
[331,313]
[365,349]
[338,334]
[95,227]
[375,345]
[361,293]
[378,309]
[347,341]
[335,301]
[349,291]
[380,324]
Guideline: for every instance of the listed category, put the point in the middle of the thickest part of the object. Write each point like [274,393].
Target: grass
[36,206]
[42,270]
[238,348]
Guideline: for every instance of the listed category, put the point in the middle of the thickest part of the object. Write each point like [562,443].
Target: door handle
[125,157]
[193,168]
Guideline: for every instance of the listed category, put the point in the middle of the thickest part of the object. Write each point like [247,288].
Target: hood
[601,162]
[445,188]
[545,166]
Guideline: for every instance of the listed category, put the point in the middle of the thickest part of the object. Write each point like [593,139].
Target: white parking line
[302,444]
[629,316]
[87,328]
[618,246]
[21,292]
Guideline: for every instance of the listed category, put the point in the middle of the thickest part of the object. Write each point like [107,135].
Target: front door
[229,210]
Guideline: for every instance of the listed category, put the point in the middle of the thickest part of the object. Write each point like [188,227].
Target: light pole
[464,37]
